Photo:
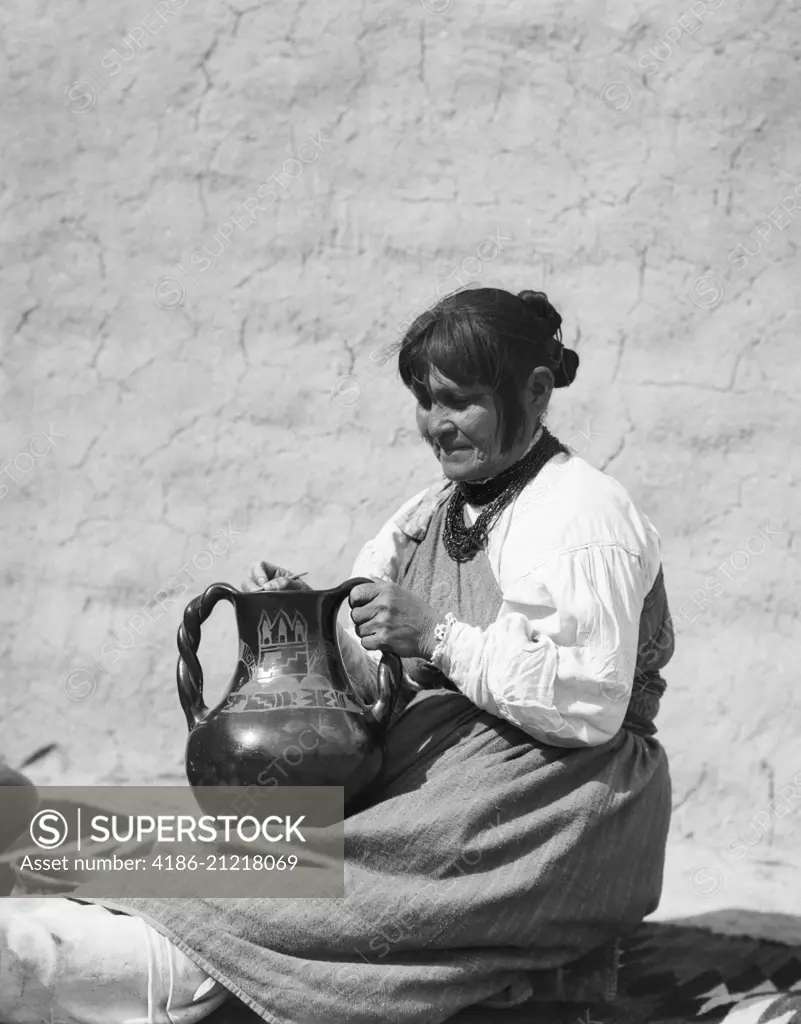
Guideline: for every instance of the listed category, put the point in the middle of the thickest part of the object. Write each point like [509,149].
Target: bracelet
[442,630]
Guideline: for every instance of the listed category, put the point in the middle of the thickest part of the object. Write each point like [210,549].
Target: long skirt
[484,856]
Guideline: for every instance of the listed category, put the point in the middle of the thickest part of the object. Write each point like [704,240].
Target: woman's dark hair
[490,337]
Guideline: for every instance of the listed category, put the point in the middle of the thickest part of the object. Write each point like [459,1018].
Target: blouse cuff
[447,634]
[441,635]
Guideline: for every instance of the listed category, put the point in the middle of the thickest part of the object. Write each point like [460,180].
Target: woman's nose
[438,422]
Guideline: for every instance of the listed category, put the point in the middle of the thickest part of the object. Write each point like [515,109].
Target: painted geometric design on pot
[247,659]
[310,698]
[283,646]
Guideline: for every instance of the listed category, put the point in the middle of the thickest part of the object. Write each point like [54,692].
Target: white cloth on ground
[80,964]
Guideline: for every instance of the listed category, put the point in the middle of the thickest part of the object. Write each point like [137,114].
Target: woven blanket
[669,975]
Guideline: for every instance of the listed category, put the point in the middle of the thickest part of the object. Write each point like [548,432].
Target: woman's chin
[461,465]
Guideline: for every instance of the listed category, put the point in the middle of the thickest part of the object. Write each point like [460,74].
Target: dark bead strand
[462,542]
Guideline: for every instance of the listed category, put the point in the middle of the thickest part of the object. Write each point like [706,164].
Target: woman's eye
[454,402]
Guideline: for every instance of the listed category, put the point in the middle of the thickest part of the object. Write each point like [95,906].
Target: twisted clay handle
[189,673]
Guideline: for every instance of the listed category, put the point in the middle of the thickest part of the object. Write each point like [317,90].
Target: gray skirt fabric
[483,856]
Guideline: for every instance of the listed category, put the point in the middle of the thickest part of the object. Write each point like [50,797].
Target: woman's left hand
[389,618]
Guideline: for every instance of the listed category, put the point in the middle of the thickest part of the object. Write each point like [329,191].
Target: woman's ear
[538,389]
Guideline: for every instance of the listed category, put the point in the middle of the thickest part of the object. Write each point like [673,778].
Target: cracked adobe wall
[212,219]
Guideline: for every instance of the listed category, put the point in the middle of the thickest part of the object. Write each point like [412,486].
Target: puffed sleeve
[559,661]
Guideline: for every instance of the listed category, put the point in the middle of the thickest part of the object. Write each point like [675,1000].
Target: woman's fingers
[260,574]
[283,583]
[364,593]
[272,571]
[267,576]
[359,616]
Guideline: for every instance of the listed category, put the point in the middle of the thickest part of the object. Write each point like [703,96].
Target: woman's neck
[522,455]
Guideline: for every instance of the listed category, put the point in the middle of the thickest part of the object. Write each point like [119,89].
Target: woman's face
[461,424]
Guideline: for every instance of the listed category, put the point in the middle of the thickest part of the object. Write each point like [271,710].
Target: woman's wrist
[437,634]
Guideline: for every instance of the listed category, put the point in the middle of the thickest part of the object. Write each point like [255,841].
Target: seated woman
[522,816]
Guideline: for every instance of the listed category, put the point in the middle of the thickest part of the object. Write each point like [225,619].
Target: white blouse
[574,560]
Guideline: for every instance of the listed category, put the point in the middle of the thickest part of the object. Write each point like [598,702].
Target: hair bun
[565,359]
[538,303]
[565,372]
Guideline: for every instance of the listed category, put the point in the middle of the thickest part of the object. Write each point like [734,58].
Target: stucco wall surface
[216,216]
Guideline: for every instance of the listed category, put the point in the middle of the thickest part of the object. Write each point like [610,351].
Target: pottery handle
[189,673]
[390,669]
[390,678]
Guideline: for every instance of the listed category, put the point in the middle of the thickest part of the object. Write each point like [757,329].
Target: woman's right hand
[266,576]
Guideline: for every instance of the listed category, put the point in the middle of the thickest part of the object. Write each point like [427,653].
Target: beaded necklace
[462,542]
